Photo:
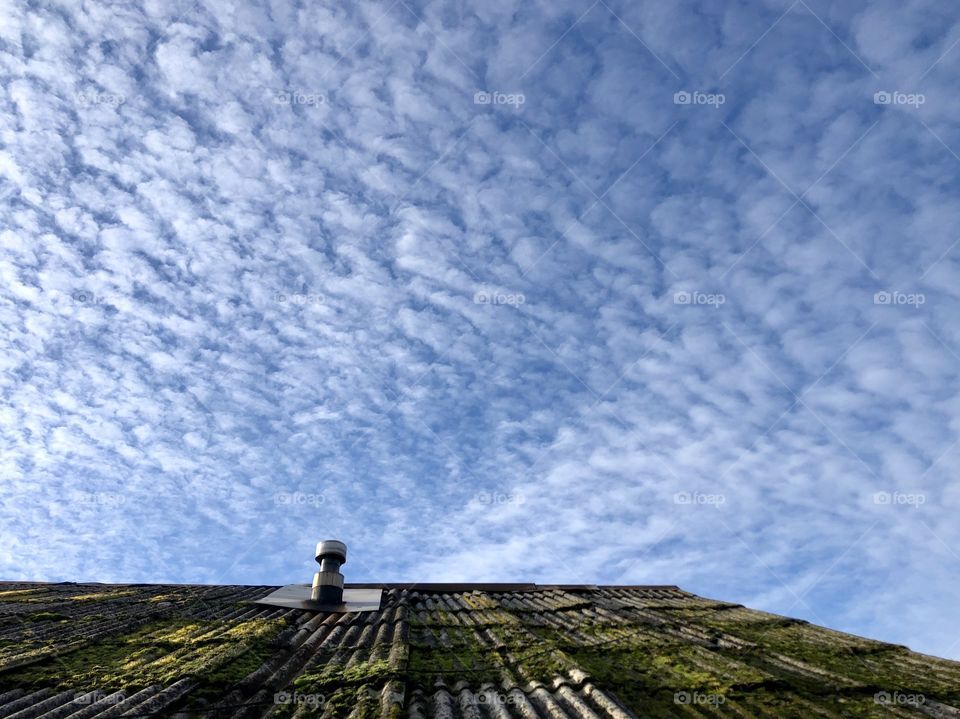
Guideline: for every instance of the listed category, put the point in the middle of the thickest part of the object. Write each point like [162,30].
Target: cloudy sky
[621,292]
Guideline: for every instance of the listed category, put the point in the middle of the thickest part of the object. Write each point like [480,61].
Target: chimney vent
[327,594]
[328,582]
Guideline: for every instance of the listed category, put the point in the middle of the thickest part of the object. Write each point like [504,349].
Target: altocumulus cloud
[623,292]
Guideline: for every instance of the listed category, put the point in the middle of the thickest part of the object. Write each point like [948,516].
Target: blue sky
[621,292]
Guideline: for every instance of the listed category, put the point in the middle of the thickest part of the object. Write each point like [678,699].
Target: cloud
[274,275]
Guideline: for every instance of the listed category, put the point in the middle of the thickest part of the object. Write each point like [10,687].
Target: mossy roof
[442,652]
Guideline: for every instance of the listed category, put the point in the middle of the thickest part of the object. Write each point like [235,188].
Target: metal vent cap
[327,593]
[333,548]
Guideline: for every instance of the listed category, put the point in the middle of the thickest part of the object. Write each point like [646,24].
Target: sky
[623,292]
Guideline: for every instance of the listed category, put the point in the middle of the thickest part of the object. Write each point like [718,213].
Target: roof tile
[460,651]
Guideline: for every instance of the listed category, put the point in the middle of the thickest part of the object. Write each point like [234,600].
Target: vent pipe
[327,593]
[328,582]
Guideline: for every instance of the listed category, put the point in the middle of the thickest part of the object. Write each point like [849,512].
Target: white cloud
[242,249]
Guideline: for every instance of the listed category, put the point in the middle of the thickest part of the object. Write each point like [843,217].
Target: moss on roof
[144,650]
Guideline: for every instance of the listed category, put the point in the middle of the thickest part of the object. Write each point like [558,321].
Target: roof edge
[419,586]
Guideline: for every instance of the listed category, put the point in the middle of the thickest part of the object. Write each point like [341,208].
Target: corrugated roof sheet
[82,651]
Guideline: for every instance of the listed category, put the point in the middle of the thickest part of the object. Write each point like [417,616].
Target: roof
[442,651]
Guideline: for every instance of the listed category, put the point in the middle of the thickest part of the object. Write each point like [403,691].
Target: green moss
[24,651]
[100,596]
[647,668]
[874,664]
[438,650]
[358,702]
[213,652]
[333,675]
[643,664]
[477,601]
[164,598]
[45,617]
[26,595]
[338,691]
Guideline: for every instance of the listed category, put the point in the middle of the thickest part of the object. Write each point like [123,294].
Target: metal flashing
[298,596]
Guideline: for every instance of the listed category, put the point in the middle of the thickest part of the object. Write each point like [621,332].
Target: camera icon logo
[681,98]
